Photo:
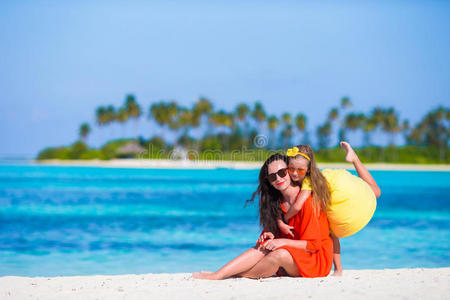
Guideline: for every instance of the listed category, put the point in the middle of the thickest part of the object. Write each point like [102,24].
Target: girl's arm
[336,256]
[285,228]
[295,208]
[309,230]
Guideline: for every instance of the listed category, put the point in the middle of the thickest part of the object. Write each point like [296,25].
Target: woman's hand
[274,244]
[265,236]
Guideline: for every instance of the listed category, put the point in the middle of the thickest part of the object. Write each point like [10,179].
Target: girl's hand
[265,236]
[274,244]
[286,229]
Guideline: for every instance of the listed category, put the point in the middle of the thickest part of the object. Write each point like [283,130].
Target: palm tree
[228,121]
[175,125]
[345,103]
[215,121]
[333,114]
[333,118]
[110,115]
[259,115]
[203,106]
[165,114]
[368,126]
[84,131]
[158,112]
[287,118]
[272,125]
[133,110]
[221,119]
[171,109]
[406,129]
[122,118]
[433,130]
[287,132]
[201,110]
[230,125]
[353,121]
[377,118]
[323,133]
[241,112]
[185,120]
[378,115]
[100,115]
[300,123]
[390,123]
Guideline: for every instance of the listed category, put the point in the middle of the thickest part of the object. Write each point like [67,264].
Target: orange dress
[315,230]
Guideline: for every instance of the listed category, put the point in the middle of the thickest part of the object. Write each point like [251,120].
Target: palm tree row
[246,122]
[106,115]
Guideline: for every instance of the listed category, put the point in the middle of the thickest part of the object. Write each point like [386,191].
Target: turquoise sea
[86,220]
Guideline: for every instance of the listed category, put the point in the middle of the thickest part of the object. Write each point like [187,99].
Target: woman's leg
[360,168]
[240,264]
[270,264]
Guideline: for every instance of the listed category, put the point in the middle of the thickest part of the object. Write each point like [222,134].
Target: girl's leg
[336,256]
[240,264]
[360,168]
[270,264]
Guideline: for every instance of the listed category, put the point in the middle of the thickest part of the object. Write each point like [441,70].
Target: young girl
[349,201]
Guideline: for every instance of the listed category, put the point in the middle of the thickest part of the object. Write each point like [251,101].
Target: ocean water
[83,220]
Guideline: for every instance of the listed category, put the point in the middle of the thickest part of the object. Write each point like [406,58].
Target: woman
[308,254]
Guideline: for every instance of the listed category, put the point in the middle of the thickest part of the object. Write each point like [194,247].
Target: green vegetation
[249,133]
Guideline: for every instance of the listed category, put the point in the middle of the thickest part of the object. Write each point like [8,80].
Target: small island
[250,134]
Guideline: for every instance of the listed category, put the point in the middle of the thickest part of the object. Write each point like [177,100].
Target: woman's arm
[274,244]
[299,244]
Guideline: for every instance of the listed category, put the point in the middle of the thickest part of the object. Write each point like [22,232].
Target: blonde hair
[320,190]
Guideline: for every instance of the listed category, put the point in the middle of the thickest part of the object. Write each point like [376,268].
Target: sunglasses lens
[282,173]
[272,177]
[299,171]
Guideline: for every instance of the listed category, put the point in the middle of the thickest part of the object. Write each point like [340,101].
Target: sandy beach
[213,164]
[359,284]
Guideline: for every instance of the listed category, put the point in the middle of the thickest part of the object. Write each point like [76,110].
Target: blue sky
[59,60]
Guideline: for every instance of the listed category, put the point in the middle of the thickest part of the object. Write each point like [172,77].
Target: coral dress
[315,230]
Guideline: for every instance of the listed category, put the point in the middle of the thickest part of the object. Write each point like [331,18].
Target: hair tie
[292,152]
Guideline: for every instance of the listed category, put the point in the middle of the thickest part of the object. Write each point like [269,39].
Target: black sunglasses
[281,172]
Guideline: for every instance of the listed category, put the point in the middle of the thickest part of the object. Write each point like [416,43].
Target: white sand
[213,164]
[361,284]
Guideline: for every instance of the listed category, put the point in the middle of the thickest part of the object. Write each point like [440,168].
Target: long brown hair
[269,197]
[320,189]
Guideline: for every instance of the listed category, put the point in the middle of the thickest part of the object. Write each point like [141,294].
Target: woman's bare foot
[206,272]
[351,155]
[337,273]
[204,275]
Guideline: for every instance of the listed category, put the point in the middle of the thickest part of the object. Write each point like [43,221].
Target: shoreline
[417,283]
[214,164]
